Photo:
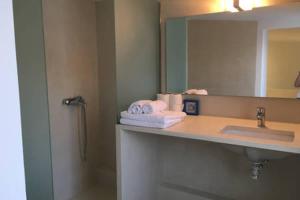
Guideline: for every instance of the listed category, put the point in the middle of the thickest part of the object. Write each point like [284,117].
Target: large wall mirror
[253,53]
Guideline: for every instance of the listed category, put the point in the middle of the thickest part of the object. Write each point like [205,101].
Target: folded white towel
[154,107]
[149,124]
[137,107]
[197,92]
[159,117]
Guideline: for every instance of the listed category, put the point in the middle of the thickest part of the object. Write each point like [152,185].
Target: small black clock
[191,107]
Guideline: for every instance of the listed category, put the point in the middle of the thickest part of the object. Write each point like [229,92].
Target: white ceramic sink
[263,133]
[254,154]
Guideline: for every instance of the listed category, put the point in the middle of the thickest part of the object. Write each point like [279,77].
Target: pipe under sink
[255,154]
[258,157]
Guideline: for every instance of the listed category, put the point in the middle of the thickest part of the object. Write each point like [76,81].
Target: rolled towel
[197,92]
[137,107]
[154,107]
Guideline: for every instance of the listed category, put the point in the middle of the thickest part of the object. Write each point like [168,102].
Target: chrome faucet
[260,115]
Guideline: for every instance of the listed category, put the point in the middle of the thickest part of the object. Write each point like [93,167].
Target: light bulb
[246,4]
[229,6]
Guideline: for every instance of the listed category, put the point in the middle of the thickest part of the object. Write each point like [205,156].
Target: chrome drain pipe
[256,169]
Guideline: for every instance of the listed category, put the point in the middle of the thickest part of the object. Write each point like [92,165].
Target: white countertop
[208,128]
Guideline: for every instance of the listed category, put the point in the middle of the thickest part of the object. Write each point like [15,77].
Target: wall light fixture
[239,5]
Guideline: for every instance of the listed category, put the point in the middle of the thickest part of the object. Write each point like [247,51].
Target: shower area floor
[99,192]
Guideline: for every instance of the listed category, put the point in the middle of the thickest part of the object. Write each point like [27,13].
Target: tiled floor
[98,193]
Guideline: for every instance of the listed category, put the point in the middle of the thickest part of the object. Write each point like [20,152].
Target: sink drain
[257,168]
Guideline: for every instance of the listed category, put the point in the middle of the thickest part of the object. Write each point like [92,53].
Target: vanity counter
[208,128]
[155,163]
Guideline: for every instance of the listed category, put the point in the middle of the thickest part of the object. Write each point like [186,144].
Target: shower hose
[82,123]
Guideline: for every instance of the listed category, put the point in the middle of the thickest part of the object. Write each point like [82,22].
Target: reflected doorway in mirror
[297,84]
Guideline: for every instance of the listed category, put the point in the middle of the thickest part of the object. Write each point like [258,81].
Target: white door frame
[12,181]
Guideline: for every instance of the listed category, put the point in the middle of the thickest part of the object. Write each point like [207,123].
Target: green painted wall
[176,55]
[34,100]
[107,82]
[137,50]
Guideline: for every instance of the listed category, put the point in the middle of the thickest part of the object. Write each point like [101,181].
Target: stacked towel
[160,117]
[150,114]
[149,124]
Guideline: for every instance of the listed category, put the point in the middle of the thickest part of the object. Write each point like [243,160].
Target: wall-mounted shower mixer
[74,101]
[82,124]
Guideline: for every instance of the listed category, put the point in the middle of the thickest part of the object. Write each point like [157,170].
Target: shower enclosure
[59,82]
[73,48]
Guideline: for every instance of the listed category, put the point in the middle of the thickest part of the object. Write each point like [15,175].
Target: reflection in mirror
[253,53]
[283,63]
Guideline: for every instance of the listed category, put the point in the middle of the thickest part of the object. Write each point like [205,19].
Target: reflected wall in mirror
[253,53]
[283,62]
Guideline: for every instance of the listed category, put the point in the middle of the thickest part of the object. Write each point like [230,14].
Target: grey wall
[71,57]
[137,50]
[245,107]
[33,97]
[222,56]
[128,43]
[107,81]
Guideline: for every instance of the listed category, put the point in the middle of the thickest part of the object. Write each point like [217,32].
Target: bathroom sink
[258,157]
[255,155]
[263,133]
